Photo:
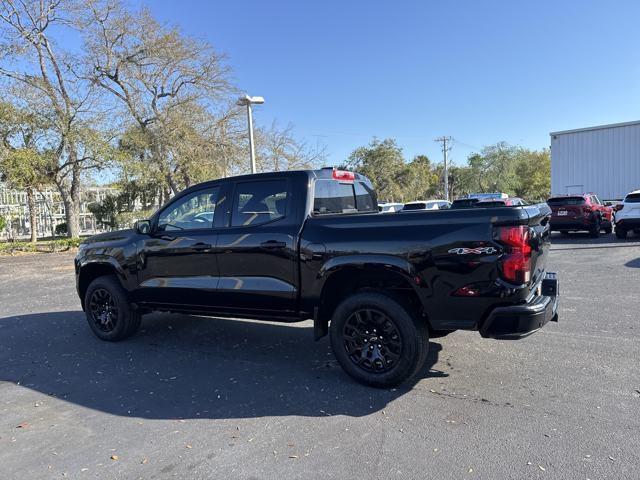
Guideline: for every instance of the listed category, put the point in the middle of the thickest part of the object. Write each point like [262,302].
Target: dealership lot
[194,397]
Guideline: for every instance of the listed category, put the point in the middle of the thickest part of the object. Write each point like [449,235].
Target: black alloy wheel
[110,314]
[378,340]
[372,340]
[104,310]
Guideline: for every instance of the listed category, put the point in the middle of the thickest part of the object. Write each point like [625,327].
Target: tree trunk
[72,200]
[33,218]
[71,211]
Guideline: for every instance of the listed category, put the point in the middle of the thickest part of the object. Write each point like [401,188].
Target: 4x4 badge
[474,251]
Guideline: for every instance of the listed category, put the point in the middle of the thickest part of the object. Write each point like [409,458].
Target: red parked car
[572,213]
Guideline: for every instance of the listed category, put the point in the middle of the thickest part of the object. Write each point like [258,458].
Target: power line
[446,146]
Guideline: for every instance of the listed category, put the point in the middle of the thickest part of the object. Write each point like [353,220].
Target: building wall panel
[603,160]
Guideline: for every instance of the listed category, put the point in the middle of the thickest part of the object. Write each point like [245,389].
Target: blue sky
[344,71]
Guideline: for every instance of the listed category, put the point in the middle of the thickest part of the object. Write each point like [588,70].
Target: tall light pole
[248,101]
[445,151]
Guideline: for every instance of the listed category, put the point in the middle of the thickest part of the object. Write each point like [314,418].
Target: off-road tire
[112,303]
[411,330]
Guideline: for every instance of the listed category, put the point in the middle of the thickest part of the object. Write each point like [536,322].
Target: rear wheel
[110,315]
[594,231]
[377,341]
[621,233]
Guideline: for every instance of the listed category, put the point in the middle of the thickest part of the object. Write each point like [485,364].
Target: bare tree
[162,78]
[278,149]
[33,60]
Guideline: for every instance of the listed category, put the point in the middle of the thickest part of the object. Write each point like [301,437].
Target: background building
[49,211]
[604,160]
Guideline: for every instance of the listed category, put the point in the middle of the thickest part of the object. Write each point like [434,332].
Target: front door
[177,263]
[257,250]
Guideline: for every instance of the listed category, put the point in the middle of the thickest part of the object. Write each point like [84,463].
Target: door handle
[273,244]
[201,246]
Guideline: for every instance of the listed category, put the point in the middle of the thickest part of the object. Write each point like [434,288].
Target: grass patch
[46,246]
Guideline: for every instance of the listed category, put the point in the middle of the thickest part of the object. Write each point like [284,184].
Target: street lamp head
[247,100]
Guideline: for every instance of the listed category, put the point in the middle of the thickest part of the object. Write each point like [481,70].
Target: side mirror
[143,227]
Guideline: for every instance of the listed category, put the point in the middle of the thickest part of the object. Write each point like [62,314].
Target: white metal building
[604,160]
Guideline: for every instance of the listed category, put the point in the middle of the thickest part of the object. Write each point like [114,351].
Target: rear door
[257,248]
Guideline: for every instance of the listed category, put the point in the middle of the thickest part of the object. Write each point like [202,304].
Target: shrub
[61,229]
[58,245]
[3,223]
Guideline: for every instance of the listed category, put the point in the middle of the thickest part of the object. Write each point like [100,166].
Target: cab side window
[192,212]
[255,203]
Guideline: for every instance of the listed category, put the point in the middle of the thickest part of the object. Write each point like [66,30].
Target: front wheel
[377,341]
[110,315]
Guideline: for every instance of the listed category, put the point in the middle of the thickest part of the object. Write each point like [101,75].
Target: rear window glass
[464,203]
[332,196]
[557,202]
[415,206]
[365,198]
[632,198]
[490,204]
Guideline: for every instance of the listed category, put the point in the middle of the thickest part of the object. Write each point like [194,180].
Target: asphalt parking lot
[192,397]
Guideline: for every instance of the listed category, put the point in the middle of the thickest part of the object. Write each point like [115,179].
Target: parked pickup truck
[292,246]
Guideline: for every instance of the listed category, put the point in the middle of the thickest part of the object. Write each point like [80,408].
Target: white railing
[49,211]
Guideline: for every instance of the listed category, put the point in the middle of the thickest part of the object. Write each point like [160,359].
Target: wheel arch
[92,269]
[342,277]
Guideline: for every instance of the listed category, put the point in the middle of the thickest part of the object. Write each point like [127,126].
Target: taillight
[516,262]
[344,175]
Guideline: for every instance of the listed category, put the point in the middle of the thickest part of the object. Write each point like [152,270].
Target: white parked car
[426,205]
[389,207]
[627,214]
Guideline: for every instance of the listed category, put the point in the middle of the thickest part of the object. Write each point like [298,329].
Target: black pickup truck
[292,246]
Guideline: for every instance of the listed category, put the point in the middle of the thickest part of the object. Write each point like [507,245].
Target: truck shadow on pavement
[181,366]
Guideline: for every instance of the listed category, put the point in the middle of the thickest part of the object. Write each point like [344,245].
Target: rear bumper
[562,223]
[518,321]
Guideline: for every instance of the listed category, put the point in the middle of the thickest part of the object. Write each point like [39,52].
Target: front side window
[632,198]
[192,212]
[260,202]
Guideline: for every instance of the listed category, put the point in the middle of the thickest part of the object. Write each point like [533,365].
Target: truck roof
[329,173]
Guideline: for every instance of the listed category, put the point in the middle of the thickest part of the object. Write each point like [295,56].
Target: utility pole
[446,146]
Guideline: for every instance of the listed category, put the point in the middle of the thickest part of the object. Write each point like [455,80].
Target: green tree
[22,165]
[419,179]
[383,163]
[533,174]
